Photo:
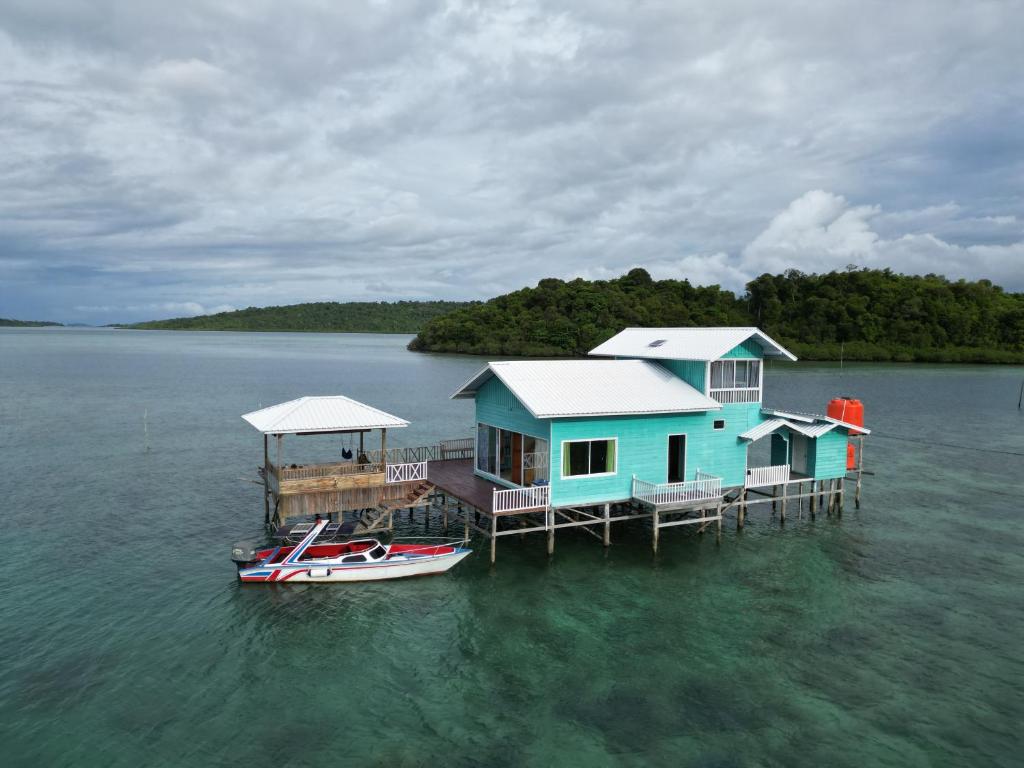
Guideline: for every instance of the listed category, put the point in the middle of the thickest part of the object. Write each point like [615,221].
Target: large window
[736,381]
[486,449]
[588,457]
[520,459]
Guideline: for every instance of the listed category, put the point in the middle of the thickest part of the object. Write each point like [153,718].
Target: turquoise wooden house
[661,416]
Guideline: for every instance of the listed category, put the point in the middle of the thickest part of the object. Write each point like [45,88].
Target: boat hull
[328,573]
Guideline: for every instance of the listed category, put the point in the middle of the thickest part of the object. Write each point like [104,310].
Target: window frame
[561,458]
[715,423]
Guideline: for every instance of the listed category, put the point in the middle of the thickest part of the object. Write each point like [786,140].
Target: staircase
[377,517]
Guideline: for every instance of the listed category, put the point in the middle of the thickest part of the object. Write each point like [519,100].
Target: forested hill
[351,317]
[860,314]
[7,323]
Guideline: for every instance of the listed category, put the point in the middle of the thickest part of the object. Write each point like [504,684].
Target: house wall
[749,348]
[643,450]
[693,372]
[497,406]
[828,455]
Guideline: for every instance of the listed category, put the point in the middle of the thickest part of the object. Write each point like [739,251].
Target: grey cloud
[210,153]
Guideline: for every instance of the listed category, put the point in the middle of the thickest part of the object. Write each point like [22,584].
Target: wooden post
[813,499]
[384,446]
[842,494]
[741,510]
[607,525]
[494,537]
[266,481]
[718,533]
[549,515]
[782,508]
[860,472]
[654,542]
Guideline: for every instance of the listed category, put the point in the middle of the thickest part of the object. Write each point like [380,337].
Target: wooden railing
[459,448]
[677,493]
[537,460]
[328,470]
[758,477]
[404,473]
[515,499]
[736,395]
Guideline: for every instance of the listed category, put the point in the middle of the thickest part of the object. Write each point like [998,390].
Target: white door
[799,463]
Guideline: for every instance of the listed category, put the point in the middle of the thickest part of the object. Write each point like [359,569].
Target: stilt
[550,517]
[607,525]
[812,501]
[842,495]
[465,519]
[741,510]
[782,508]
[494,538]
[775,493]
[718,533]
[654,542]
[444,519]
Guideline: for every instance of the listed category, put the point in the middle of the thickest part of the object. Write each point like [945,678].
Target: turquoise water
[890,637]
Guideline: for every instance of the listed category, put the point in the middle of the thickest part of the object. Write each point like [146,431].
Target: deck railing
[709,487]
[515,499]
[758,477]
[459,448]
[537,460]
[329,470]
[737,395]
[404,473]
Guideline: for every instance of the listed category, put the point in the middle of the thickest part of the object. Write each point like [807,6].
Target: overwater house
[665,421]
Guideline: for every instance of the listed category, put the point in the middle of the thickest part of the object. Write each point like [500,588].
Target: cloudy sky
[162,159]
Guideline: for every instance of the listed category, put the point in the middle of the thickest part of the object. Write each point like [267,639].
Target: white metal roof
[551,389]
[767,427]
[813,417]
[686,343]
[331,413]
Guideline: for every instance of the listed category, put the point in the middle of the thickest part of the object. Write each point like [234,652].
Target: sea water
[890,636]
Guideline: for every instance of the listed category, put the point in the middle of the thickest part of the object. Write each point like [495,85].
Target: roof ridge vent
[657,342]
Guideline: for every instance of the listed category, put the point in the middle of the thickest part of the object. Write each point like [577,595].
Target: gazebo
[365,480]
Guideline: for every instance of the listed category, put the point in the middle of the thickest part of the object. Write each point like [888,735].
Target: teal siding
[497,406]
[643,450]
[693,372]
[748,348]
[827,458]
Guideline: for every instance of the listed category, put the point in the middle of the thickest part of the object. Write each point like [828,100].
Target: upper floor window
[736,381]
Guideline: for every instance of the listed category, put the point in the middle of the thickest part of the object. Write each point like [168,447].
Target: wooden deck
[455,477]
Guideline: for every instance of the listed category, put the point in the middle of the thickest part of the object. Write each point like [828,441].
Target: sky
[168,159]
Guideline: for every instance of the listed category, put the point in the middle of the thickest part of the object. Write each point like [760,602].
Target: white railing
[403,473]
[700,475]
[514,499]
[737,395]
[761,476]
[709,487]
[537,460]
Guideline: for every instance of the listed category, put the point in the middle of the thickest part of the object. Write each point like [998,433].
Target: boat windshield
[377,552]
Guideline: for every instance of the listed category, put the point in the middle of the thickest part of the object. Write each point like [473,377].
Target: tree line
[327,316]
[859,314]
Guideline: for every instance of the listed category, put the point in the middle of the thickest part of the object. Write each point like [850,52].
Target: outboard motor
[244,554]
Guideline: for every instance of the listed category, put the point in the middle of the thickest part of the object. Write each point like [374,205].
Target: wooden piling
[782,507]
[654,540]
[741,510]
[550,516]
[494,538]
[607,539]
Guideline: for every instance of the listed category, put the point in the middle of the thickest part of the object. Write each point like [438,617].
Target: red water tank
[851,411]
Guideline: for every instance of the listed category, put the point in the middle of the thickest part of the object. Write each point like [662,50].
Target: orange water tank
[851,411]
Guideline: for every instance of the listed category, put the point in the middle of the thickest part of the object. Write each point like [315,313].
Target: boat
[357,560]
